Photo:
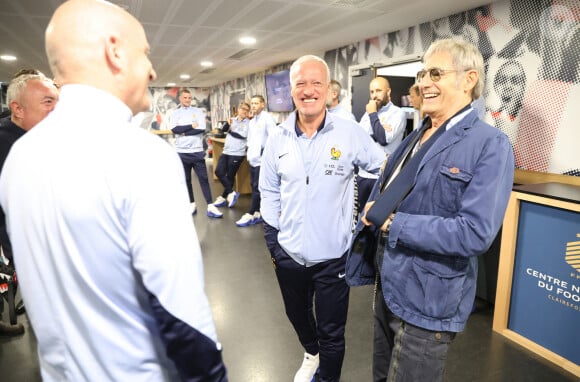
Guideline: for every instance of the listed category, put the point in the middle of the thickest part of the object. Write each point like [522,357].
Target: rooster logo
[334,154]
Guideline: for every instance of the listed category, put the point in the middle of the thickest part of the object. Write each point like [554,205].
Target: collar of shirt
[83,96]
[385,108]
[458,118]
[299,132]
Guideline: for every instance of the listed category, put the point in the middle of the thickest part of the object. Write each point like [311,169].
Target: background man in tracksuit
[307,188]
[188,122]
[232,156]
[262,124]
[386,123]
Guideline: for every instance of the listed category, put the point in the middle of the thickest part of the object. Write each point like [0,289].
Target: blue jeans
[406,353]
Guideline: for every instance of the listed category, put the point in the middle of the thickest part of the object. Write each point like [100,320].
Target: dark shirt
[9,133]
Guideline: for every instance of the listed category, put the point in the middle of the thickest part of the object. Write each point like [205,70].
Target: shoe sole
[212,215]
[244,224]
[234,200]
[220,205]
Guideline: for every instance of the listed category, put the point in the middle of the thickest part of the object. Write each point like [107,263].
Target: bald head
[96,43]
[380,91]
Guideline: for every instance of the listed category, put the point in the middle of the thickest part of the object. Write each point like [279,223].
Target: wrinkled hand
[364,215]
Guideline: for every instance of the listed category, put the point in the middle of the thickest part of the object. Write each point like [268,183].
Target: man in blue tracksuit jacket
[427,256]
[308,194]
[188,123]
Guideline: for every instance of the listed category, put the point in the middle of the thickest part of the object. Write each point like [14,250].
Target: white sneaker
[232,198]
[213,212]
[245,221]
[193,208]
[257,218]
[220,201]
[308,369]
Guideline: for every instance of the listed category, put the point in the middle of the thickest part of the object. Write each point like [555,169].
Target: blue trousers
[316,303]
[254,180]
[226,170]
[403,352]
[196,161]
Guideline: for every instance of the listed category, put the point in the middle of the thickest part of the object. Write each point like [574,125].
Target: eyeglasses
[435,73]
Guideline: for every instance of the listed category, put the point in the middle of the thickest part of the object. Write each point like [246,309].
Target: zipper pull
[307,179]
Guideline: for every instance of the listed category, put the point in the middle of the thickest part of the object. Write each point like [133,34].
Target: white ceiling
[182,33]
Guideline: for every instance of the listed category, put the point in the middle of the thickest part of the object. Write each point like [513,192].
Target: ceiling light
[248,40]
[8,57]
[206,63]
[171,84]
[185,76]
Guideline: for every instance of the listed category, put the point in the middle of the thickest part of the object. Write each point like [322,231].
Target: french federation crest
[573,254]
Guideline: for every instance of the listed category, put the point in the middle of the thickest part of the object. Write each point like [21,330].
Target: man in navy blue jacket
[30,97]
[428,245]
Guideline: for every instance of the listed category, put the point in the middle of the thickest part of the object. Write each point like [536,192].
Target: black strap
[404,181]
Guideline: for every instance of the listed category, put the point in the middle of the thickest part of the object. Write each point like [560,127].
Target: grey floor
[259,344]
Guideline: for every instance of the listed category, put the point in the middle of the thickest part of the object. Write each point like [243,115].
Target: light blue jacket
[307,186]
[451,215]
[259,128]
[187,116]
[234,145]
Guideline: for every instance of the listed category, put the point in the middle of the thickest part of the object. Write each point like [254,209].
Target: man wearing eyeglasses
[445,192]
[385,123]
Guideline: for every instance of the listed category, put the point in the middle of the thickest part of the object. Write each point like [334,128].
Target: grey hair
[307,58]
[18,83]
[465,56]
[335,86]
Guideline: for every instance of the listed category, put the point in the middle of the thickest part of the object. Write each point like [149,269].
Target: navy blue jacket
[452,214]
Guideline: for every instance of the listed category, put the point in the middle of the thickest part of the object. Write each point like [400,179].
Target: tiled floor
[259,343]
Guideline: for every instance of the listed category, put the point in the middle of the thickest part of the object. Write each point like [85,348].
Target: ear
[16,109]
[114,54]
[470,80]
[389,92]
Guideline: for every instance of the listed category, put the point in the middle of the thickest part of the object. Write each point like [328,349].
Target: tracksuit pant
[196,161]
[226,170]
[316,302]
[254,180]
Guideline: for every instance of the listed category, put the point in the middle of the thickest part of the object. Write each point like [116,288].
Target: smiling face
[444,98]
[510,85]
[141,70]
[310,89]
[38,98]
[185,99]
